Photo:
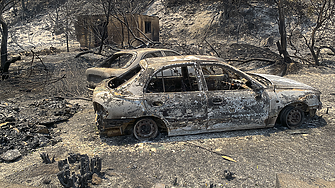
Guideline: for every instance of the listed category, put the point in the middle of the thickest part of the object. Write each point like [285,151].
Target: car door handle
[157,103]
[217,101]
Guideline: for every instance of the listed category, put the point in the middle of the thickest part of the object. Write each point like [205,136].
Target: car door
[173,94]
[232,102]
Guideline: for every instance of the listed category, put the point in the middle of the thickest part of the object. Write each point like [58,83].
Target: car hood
[285,83]
[104,72]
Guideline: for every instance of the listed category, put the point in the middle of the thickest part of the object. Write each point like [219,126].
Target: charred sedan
[123,62]
[197,94]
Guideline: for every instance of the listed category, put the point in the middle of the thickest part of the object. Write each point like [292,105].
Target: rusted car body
[197,94]
[123,62]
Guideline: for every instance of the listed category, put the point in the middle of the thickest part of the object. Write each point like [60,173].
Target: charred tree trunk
[24,11]
[24,7]
[103,37]
[282,46]
[67,42]
[104,32]
[4,38]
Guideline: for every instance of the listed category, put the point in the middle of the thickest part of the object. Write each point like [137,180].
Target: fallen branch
[32,61]
[302,59]
[248,60]
[38,84]
[328,47]
[82,53]
[79,98]
[223,156]
[212,48]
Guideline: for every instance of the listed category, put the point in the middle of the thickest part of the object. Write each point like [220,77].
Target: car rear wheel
[145,129]
[292,117]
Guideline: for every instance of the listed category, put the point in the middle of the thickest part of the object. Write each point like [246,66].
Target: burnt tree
[5,5]
[282,45]
[324,11]
[107,10]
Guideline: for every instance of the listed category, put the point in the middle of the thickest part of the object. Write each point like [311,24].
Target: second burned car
[123,62]
[197,94]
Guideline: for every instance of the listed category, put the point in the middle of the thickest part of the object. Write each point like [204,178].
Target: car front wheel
[145,129]
[292,117]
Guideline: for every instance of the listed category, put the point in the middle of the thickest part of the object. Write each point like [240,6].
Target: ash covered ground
[54,115]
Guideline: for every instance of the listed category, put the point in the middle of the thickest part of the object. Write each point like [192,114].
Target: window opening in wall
[147,27]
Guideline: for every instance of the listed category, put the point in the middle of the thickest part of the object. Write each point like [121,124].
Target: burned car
[196,94]
[123,62]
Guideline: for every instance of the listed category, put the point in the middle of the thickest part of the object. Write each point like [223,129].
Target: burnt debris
[27,126]
[46,159]
[88,169]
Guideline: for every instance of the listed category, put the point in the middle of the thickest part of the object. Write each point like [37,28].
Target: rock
[11,155]
[46,181]
[96,180]
[10,119]
[228,175]
[42,129]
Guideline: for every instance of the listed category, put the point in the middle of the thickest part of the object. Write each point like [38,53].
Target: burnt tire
[291,117]
[145,129]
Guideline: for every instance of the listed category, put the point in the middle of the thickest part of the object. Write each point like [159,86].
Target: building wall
[89,29]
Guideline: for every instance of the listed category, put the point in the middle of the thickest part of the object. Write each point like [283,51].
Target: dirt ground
[195,160]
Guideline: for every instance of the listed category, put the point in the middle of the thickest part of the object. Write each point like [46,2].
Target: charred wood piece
[87,168]
[46,159]
[73,158]
[95,165]
[66,179]
[84,165]
[61,164]
[83,180]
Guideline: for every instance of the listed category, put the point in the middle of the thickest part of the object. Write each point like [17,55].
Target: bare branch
[212,48]
[249,60]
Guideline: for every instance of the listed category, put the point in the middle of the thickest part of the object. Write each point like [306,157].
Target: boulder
[10,155]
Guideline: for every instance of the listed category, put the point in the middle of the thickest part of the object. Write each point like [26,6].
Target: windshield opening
[118,61]
[260,79]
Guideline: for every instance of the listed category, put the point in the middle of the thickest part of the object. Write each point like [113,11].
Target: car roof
[159,62]
[143,50]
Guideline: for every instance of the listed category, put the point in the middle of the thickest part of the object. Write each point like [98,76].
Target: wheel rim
[145,128]
[294,117]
